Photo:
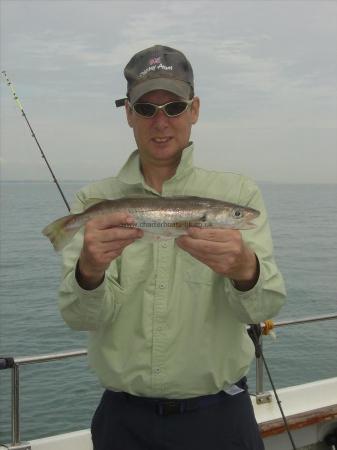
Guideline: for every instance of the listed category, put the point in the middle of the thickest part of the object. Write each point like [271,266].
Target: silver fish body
[158,217]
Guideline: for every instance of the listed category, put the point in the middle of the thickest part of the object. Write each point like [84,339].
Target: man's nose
[160,120]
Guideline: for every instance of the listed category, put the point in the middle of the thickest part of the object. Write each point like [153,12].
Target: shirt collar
[130,173]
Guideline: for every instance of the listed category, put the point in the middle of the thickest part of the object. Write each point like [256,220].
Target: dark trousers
[121,423]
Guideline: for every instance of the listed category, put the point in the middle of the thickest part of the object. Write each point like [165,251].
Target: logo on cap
[154,61]
[155,64]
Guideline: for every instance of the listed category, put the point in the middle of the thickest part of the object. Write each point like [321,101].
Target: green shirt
[163,324]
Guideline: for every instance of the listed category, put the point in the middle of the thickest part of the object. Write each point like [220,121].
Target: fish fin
[203,218]
[59,233]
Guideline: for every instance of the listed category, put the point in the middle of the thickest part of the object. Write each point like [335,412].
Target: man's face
[161,139]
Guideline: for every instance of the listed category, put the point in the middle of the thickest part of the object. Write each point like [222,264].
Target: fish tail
[61,231]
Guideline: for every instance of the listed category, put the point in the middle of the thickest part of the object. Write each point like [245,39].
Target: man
[167,320]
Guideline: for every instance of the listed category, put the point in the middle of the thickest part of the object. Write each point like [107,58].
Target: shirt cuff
[246,304]
[87,294]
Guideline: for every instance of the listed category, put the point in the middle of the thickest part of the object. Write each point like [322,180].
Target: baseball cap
[158,67]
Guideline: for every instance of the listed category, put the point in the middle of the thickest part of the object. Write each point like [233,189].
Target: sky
[265,72]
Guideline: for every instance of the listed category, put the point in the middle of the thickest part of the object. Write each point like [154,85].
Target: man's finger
[119,233]
[116,245]
[202,246]
[111,220]
[212,234]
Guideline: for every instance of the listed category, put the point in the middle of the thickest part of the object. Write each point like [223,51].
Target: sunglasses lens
[145,109]
[175,108]
[172,109]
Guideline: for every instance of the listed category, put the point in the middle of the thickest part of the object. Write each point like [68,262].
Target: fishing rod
[16,98]
[255,333]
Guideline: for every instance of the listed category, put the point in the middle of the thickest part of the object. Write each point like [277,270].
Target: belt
[166,407]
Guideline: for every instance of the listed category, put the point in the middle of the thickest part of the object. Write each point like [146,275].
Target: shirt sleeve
[268,295]
[82,309]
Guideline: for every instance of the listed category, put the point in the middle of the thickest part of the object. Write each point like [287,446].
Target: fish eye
[237,213]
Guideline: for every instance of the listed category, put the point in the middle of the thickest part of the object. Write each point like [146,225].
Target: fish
[159,217]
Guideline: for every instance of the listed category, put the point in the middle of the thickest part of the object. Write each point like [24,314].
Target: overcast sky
[265,72]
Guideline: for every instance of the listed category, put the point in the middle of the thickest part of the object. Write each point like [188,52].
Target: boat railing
[14,364]
[261,395]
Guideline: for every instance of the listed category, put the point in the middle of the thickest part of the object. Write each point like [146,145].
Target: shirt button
[157,370]
[164,244]
[162,285]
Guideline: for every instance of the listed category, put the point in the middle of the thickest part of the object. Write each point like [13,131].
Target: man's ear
[195,110]
[129,114]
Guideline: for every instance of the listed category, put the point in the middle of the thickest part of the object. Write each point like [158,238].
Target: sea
[61,396]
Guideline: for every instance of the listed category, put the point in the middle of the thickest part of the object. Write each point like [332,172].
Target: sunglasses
[171,109]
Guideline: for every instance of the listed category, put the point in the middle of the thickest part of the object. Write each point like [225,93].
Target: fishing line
[16,98]
[255,332]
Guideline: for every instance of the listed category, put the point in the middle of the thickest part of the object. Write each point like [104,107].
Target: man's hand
[104,240]
[223,251]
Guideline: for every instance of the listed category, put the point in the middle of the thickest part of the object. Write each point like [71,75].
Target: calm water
[61,396]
